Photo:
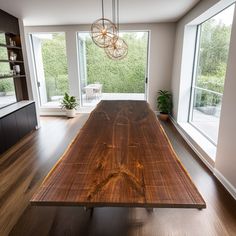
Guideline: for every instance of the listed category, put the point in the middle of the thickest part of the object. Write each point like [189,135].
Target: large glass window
[51,67]
[209,72]
[103,78]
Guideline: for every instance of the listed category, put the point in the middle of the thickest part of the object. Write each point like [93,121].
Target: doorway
[104,79]
[50,60]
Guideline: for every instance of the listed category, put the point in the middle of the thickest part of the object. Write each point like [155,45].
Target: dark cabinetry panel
[22,122]
[9,128]
[31,115]
[16,125]
[2,144]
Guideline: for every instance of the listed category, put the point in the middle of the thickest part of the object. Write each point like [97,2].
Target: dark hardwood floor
[23,168]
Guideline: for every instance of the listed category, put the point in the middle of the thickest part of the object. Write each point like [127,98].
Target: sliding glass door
[103,78]
[49,50]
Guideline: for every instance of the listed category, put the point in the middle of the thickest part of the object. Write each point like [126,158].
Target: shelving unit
[10,61]
[11,76]
[19,79]
[17,116]
[11,47]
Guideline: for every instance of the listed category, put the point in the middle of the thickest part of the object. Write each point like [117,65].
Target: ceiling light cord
[118,12]
[103,12]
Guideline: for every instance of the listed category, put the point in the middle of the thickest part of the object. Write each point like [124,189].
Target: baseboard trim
[210,167]
[229,187]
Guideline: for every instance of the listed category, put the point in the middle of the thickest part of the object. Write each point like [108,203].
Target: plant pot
[70,113]
[163,116]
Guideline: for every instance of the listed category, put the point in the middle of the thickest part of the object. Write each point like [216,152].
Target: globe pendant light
[103,31]
[118,49]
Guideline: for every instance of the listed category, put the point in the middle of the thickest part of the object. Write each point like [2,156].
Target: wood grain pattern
[121,157]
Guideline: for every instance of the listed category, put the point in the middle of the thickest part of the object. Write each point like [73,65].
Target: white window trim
[203,147]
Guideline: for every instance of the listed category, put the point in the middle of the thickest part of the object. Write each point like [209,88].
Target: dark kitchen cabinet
[10,131]
[16,125]
[22,122]
[2,144]
[31,115]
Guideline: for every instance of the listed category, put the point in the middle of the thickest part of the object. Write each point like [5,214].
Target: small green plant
[164,101]
[69,102]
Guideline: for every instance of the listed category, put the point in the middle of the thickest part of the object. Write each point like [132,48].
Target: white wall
[226,151]
[162,37]
[225,163]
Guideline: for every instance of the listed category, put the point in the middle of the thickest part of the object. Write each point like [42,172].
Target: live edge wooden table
[120,158]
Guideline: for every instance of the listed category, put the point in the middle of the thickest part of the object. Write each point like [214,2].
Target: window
[7,92]
[51,67]
[7,88]
[106,79]
[211,57]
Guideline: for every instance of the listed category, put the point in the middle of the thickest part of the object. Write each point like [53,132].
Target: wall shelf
[11,76]
[10,47]
[9,61]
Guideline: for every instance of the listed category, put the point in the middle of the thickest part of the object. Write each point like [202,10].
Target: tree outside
[55,65]
[212,61]
[122,76]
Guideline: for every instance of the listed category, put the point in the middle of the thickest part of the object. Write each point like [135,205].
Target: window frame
[194,74]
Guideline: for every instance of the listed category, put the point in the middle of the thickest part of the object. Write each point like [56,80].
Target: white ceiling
[63,12]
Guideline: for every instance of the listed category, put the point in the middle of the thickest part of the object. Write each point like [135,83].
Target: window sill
[201,145]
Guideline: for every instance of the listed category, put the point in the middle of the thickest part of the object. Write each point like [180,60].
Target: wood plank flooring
[24,166]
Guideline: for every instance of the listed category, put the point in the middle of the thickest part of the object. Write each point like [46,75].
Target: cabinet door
[10,130]
[31,114]
[22,122]
[2,144]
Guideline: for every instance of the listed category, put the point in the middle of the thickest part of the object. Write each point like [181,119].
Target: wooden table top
[121,157]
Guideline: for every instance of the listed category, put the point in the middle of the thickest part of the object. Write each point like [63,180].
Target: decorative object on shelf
[12,42]
[13,56]
[164,104]
[16,70]
[105,34]
[69,103]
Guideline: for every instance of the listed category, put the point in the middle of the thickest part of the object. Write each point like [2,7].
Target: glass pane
[51,66]
[7,92]
[212,58]
[2,38]
[103,78]
[3,53]
[4,69]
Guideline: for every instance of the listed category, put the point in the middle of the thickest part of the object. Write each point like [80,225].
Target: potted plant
[164,104]
[69,103]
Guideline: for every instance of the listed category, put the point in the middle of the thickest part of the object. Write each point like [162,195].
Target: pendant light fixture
[103,31]
[105,34]
[118,48]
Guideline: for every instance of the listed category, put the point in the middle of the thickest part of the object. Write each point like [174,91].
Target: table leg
[150,210]
[90,209]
